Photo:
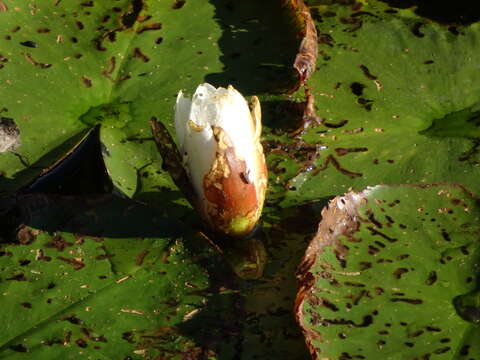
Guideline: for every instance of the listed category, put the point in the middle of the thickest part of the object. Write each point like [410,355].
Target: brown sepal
[227,187]
[306,59]
[172,160]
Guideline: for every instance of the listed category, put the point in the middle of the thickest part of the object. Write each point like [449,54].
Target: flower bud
[219,140]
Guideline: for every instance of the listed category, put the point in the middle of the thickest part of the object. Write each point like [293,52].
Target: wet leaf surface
[387,92]
[393,273]
[121,64]
[101,276]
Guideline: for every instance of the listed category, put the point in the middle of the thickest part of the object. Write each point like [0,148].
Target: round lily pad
[395,100]
[393,274]
[66,66]
[111,291]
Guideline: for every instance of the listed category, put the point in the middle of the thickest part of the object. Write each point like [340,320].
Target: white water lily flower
[219,139]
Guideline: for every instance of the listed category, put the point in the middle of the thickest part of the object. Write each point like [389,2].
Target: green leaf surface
[151,287]
[184,296]
[397,96]
[67,66]
[67,295]
[393,273]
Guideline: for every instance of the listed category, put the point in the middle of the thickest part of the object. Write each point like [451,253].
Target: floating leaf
[393,273]
[388,94]
[112,292]
[67,66]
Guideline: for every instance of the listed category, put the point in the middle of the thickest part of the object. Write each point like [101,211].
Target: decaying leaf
[393,273]
[306,59]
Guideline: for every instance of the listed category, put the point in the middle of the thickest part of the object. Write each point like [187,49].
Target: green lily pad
[109,293]
[393,104]
[393,273]
[119,65]
[68,66]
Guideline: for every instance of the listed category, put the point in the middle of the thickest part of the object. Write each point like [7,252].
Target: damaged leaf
[380,103]
[393,272]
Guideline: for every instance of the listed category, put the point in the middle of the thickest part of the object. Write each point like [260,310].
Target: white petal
[237,122]
[182,111]
[200,145]
[206,90]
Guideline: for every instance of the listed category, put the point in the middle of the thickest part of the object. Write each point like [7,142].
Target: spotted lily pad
[112,292]
[393,274]
[387,93]
[66,66]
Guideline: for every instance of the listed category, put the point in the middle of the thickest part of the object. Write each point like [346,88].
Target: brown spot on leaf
[345,151]
[149,27]
[79,24]
[446,235]
[442,350]
[18,277]
[416,333]
[335,125]
[43,31]
[110,67]
[93,337]
[332,160]
[72,319]
[81,343]
[357,88]
[26,305]
[399,272]
[128,336]
[76,263]
[372,250]
[178,4]
[32,61]
[99,44]
[104,256]
[353,131]
[86,82]
[408,301]
[373,220]
[416,29]
[367,73]
[364,265]
[432,278]
[144,18]
[374,231]
[141,256]
[59,243]
[137,53]
[29,43]
[41,256]
[464,351]
[329,305]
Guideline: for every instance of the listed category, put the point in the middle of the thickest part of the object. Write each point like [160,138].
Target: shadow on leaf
[258,47]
